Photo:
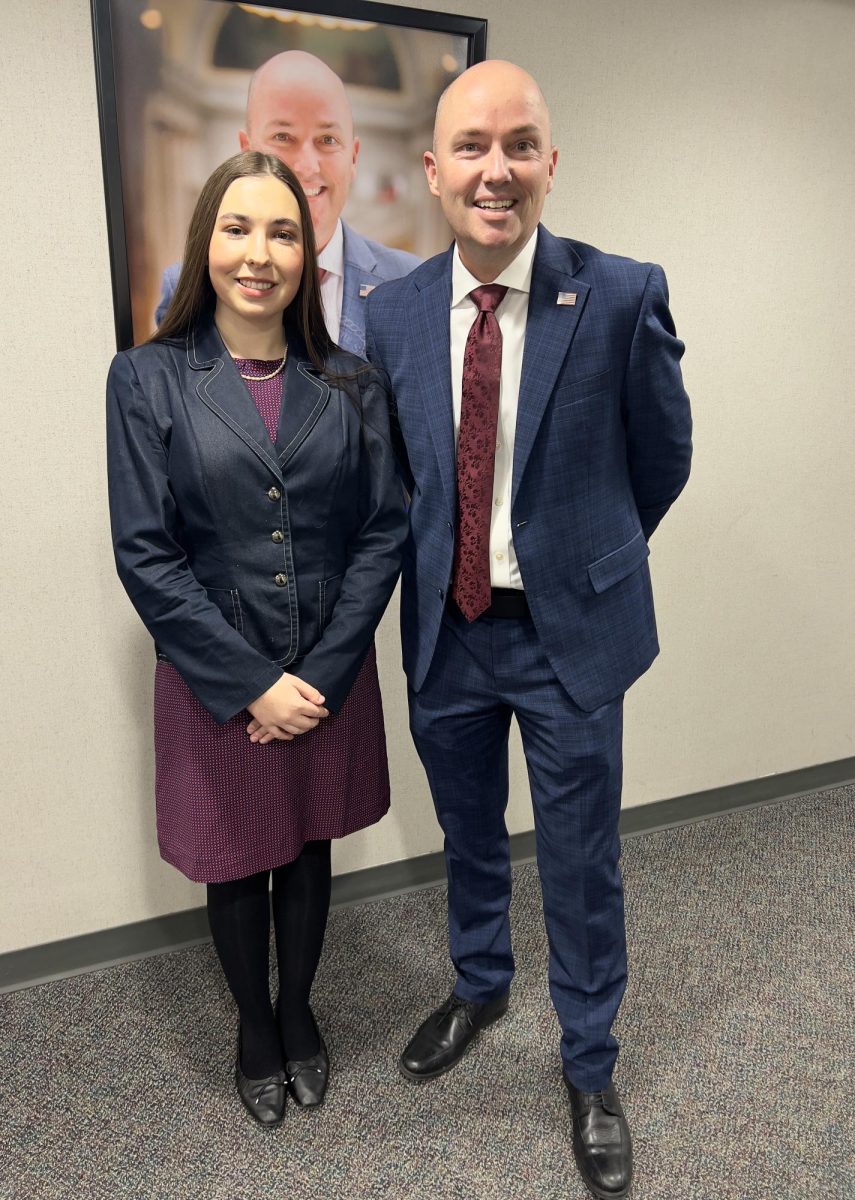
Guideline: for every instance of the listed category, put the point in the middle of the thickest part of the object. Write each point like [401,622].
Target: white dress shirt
[512,315]
[331,259]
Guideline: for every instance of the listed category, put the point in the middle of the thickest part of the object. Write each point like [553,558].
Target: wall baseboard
[174,931]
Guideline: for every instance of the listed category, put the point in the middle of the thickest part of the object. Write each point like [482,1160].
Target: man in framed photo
[544,434]
[298,110]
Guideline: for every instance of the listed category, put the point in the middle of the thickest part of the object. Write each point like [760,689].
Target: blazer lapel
[549,332]
[305,398]
[222,390]
[430,346]
[360,267]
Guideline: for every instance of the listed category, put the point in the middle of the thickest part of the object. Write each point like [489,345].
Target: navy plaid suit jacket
[603,447]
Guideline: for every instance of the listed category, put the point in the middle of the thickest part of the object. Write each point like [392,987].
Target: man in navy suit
[297,109]
[531,598]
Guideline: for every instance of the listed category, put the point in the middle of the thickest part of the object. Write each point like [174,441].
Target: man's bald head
[298,110]
[293,69]
[492,163]
[494,74]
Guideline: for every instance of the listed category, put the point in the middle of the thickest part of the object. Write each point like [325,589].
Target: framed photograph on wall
[173,81]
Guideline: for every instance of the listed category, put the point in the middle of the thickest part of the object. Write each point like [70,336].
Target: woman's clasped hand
[290,707]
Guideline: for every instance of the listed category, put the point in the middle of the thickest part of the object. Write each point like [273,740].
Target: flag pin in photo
[566,298]
[365,289]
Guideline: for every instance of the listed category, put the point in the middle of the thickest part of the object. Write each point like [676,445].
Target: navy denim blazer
[242,558]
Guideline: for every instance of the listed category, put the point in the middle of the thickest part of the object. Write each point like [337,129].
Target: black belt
[504,603]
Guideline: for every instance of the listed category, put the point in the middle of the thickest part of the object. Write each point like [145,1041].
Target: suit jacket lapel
[360,267]
[430,345]
[549,332]
[222,390]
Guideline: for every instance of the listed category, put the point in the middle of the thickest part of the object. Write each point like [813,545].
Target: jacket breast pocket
[329,591]
[613,567]
[227,601]
[582,389]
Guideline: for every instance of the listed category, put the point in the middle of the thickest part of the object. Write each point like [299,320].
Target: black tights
[239,915]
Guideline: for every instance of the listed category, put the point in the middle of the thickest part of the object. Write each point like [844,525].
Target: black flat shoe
[602,1146]
[264,1099]
[442,1040]
[308,1077]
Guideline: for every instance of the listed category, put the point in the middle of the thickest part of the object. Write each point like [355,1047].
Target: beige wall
[714,138]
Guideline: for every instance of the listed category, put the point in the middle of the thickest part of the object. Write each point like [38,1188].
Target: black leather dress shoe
[264,1099]
[308,1078]
[443,1038]
[601,1142]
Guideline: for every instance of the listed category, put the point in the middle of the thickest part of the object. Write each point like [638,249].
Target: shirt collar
[516,275]
[331,258]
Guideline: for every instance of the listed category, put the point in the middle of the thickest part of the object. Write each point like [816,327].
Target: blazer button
[274,494]
[278,536]
[280,580]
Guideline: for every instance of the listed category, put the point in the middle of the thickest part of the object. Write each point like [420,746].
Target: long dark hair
[195,300]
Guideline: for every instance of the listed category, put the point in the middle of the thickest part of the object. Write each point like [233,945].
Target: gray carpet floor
[736,1062]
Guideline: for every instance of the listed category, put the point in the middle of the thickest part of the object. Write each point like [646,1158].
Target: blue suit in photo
[366,264]
[603,447]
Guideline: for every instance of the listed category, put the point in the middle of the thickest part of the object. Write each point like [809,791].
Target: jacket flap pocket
[614,567]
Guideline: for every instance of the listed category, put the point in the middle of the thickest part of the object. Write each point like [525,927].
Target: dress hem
[229,872]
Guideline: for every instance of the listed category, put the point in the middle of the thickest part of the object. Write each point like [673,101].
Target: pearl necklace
[262,378]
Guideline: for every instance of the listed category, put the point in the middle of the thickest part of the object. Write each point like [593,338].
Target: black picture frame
[473,29]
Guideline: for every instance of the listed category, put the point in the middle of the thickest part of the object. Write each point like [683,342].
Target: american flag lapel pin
[365,289]
[566,298]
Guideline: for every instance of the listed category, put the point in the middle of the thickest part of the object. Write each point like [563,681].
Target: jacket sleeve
[219,666]
[656,409]
[373,556]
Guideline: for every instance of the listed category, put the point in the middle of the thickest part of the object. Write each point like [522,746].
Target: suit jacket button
[280,580]
[274,494]
[278,536]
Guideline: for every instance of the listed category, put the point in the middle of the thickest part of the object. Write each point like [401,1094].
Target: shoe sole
[424,1076]
[601,1195]
[598,1192]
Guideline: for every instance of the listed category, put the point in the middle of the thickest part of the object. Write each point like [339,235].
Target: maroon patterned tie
[476,454]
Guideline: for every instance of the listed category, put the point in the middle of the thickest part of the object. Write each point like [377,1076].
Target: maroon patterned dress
[228,807]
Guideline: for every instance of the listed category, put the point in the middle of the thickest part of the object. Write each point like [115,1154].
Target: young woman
[257,526]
